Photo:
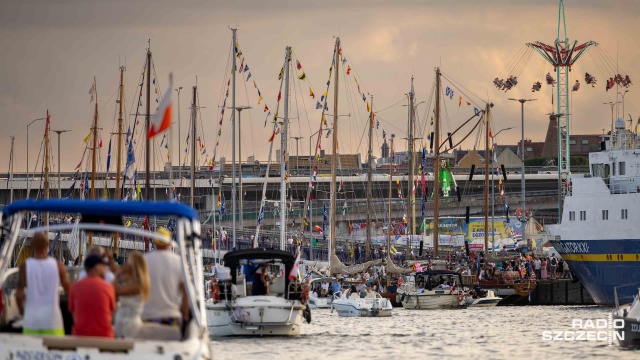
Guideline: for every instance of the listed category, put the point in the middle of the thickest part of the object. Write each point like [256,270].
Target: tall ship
[598,235]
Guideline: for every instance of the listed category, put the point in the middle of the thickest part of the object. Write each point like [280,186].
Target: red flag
[294,270]
[272,136]
[265,108]
[490,134]
[318,229]
[279,95]
[348,70]
[298,65]
[161,120]
[100,145]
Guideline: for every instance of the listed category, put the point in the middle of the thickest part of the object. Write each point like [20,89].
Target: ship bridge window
[599,170]
[605,214]
[614,169]
[624,214]
[583,215]
[572,216]
[622,168]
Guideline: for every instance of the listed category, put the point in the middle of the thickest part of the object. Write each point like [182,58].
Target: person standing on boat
[132,288]
[553,263]
[92,301]
[543,270]
[41,275]
[166,287]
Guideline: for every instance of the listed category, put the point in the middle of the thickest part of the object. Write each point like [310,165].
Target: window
[605,214]
[583,215]
[597,170]
[572,216]
[585,142]
[572,142]
[624,214]
[529,149]
[622,168]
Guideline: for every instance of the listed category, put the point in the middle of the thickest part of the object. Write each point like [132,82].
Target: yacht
[433,289]
[105,217]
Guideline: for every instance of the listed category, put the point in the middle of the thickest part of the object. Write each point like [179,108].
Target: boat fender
[306,313]
[508,278]
[215,290]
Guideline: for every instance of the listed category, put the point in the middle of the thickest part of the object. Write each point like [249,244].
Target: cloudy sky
[53,49]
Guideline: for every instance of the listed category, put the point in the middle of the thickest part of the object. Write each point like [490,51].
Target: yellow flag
[254,84]
[259,100]
[86,140]
[368,107]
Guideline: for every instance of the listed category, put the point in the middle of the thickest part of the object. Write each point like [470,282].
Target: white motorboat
[102,217]
[626,319]
[320,297]
[238,310]
[435,289]
[351,304]
[482,298]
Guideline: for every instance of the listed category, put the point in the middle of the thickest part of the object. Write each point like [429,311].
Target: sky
[54,49]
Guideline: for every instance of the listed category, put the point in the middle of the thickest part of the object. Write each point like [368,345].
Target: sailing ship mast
[46,164]
[233,136]
[389,210]
[486,179]
[194,115]
[334,154]
[94,130]
[436,170]
[412,166]
[147,185]
[283,150]
[116,236]
[369,185]
[11,170]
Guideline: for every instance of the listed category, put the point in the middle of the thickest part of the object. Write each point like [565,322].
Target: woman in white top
[132,288]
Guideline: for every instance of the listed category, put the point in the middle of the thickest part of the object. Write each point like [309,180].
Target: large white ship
[599,233]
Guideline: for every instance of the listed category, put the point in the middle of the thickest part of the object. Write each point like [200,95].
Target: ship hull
[602,265]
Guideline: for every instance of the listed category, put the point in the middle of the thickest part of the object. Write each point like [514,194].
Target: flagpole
[283,150]
[334,154]
[369,185]
[194,115]
[233,139]
[116,236]
[147,121]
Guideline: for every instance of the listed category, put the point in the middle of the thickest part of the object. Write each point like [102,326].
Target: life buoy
[215,290]
[518,212]
[460,296]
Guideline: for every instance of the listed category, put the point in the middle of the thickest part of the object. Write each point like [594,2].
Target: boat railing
[615,293]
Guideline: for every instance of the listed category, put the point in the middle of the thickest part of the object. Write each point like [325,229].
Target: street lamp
[297,138]
[524,209]
[28,152]
[623,94]
[310,154]
[612,104]
[59,182]
[239,109]
[493,199]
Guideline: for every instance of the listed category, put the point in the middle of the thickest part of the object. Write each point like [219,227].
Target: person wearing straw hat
[168,303]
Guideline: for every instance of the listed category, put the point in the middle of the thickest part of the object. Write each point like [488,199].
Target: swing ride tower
[562,55]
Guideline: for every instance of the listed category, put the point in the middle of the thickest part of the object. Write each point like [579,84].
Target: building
[579,145]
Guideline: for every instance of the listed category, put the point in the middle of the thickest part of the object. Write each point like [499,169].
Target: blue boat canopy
[99,207]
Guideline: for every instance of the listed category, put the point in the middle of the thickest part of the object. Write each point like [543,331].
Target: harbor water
[474,333]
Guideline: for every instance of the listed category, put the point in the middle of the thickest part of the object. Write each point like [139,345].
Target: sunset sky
[53,49]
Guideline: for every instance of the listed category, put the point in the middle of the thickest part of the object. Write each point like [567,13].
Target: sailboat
[257,291]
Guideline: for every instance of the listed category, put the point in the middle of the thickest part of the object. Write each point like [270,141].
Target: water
[496,333]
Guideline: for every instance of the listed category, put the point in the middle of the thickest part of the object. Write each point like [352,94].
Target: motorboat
[433,289]
[240,309]
[101,218]
[321,296]
[482,298]
[354,304]
[626,320]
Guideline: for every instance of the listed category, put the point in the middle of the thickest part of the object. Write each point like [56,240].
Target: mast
[194,115]
[46,163]
[436,169]
[369,185]
[389,210]
[412,166]
[283,150]
[95,142]
[233,138]
[148,125]
[487,157]
[11,171]
[334,154]
[119,152]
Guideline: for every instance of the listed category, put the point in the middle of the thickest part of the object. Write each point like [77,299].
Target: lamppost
[28,152]
[59,182]
[239,109]
[523,218]
[493,199]
[612,104]
[179,138]
[297,138]
[310,154]
[623,94]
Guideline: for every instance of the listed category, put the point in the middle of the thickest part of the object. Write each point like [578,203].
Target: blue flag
[222,207]
[261,215]
[109,156]
[324,222]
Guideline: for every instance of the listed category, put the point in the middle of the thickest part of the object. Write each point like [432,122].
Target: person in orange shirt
[92,301]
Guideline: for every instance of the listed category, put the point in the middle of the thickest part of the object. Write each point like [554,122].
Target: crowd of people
[144,298]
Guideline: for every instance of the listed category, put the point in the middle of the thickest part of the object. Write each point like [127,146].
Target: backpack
[554,262]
